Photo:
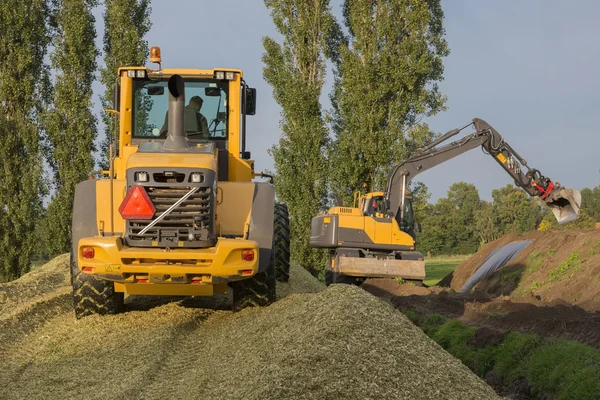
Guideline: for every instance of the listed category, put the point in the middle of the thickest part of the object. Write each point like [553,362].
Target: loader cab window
[205,113]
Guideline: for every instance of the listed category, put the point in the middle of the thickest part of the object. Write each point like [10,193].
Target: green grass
[558,369]
[436,268]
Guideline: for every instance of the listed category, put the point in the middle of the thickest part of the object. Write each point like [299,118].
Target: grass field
[438,267]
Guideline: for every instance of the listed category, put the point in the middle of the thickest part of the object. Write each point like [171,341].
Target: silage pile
[340,343]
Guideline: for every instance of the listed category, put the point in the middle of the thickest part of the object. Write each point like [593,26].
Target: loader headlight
[141,176]
[197,177]
[139,73]
[224,75]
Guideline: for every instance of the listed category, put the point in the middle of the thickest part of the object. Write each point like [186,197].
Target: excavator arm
[564,203]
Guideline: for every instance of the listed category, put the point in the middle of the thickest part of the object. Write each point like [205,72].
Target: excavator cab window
[373,206]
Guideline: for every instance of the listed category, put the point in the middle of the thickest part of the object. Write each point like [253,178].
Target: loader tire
[281,243]
[257,291]
[93,296]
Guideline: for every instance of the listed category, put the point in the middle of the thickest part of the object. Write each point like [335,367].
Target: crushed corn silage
[339,343]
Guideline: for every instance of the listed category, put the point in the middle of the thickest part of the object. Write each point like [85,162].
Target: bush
[565,369]
[453,337]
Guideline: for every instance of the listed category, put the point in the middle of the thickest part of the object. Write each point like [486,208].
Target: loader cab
[142,101]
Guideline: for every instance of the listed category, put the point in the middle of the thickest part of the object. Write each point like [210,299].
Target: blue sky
[530,69]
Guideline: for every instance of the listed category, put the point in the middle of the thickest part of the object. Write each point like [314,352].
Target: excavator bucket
[565,204]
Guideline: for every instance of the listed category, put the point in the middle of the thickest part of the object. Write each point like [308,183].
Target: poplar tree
[70,124]
[125,24]
[387,72]
[295,68]
[23,90]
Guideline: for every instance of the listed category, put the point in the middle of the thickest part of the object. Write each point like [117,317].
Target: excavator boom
[564,203]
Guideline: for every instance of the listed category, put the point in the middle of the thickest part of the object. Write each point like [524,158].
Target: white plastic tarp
[496,260]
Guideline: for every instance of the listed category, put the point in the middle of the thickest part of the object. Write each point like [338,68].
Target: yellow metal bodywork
[165,270]
[380,230]
[239,170]
[177,271]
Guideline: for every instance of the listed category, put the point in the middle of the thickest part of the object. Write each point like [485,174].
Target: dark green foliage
[450,226]
[590,202]
[485,223]
[515,210]
[125,24]
[511,353]
[565,370]
[453,337]
[295,69]
[386,76]
[23,92]
[557,369]
[69,123]
[432,323]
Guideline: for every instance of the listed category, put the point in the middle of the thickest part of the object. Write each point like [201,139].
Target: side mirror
[117,97]
[246,155]
[156,90]
[212,91]
[250,101]
[418,227]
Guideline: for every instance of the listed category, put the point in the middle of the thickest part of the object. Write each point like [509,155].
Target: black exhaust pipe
[176,138]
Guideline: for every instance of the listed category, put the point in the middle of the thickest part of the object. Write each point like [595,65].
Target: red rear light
[87,252]
[248,255]
[247,272]
[137,204]
[88,269]
[142,281]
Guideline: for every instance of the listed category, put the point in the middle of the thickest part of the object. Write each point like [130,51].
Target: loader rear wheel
[257,291]
[93,296]
[281,243]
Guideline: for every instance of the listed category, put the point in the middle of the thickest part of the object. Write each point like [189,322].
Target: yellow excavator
[376,237]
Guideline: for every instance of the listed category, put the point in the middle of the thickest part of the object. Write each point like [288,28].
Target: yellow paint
[326,220]
[113,258]
[501,157]
[172,160]
[351,222]
[350,211]
[170,290]
[103,205]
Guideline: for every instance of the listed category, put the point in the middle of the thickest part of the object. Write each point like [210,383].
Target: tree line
[48,62]
[461,222]
[387,63]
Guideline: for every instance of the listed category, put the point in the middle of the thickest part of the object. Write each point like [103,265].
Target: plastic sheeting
[496,260]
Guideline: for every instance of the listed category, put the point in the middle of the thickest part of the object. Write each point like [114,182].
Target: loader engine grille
[191,224]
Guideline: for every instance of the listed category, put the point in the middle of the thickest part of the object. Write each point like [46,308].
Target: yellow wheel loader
[179,212]
[376,237]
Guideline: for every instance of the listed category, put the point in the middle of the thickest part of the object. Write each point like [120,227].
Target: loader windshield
[205,111]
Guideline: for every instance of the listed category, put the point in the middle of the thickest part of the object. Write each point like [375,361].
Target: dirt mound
[339,343]
[559,267]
